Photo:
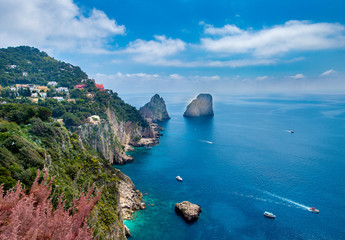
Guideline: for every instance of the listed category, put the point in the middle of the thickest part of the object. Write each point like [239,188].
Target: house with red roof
[80,86]
[99,87]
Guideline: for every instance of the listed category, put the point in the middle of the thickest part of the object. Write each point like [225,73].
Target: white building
[94,119]
[59,99]
[33,88]
[53,83]
[62,89]
[43,94]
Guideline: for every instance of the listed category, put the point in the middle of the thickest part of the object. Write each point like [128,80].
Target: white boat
[314,210]
[269,215]
[178,178]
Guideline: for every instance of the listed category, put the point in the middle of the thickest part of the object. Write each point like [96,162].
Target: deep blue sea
[254,165]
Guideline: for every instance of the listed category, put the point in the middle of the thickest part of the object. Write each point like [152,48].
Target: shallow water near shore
[254,165]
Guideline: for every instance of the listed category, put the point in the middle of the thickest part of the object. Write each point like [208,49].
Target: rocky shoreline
[131,199]
[148,142]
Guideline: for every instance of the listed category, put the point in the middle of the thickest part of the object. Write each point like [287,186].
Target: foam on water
[299,205]
[205,141]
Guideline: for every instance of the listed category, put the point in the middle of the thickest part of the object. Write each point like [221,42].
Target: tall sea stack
[155,110]
[201,106]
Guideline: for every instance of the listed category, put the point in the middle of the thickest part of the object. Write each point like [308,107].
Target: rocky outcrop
[112,138]
[201,106]
[144,141]
[155,110]
[127,232]
[188,211]
[130,199]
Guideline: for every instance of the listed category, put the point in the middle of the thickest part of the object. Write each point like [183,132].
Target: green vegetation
[31,138]
[42,144]
[29,65]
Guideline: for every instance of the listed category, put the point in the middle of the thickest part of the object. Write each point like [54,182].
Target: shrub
[32,216]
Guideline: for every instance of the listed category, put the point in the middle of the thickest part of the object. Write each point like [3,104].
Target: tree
[25,92]
[32,216]
[71,120]
[44,113]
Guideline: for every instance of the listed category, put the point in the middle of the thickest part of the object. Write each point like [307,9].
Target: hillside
[29,65]
[77,134]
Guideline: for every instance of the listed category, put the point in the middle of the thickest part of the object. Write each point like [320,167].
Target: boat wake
[299,205]
[204,141]
[260,199]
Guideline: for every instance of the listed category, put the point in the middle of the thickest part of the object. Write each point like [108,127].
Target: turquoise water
[254,165]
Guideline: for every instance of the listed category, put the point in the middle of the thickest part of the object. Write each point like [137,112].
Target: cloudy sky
[219,46]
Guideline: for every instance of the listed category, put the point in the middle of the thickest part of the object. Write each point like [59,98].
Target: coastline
[131,199]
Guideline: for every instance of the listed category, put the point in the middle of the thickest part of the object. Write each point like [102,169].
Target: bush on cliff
[32,216]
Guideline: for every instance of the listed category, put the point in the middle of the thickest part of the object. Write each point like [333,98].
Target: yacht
[269,215]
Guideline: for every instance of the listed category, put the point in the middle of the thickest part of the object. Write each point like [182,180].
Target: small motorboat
[314,210]
[269,215]
[178,178]
[291,131]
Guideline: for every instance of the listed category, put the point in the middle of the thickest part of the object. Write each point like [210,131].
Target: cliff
[201,106]
[76,139]
[130,198]
[112,138]
[45,144]
[155,110]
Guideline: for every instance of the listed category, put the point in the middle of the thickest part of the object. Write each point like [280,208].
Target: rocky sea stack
[188,211]
[201,106]
[155,110]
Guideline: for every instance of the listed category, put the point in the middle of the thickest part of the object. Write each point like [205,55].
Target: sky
[220,46]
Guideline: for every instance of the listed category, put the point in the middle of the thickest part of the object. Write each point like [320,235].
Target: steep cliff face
[155,110]
[201,106]
[130,198]
[112,138]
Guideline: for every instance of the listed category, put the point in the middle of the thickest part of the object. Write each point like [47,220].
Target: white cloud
[57,24]
[298,76]
[328,72]
[260,78]
[154,51]
[223,45]
[280,39]
[226,30]
[141,75]
[154,82]
[175,76]
[142,82]
[238,63]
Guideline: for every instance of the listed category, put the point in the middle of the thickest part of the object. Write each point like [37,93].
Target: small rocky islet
[201,106]
[188,211]
[155,110]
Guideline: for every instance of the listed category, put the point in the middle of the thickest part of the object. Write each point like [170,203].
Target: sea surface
[254,165]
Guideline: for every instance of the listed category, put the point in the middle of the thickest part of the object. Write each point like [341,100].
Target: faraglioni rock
[155,110]
[188,211]
[201,106]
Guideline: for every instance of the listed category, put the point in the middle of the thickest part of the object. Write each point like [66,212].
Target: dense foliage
[29,65]
[25,148]
[32,138]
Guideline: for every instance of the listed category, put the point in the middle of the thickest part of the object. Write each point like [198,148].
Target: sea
[240,163]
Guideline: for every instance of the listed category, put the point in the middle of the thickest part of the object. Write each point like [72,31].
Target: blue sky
[222,47]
